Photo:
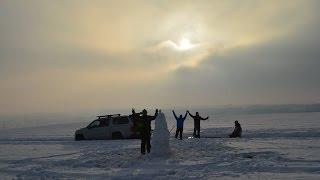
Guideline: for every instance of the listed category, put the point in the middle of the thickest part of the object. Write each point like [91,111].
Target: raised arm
[136,113]
[190,114]
[155,115]
[175,116]
[185,116]
[204,118]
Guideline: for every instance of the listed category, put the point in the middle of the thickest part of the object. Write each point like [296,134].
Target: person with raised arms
[146,131]
[180,121]
[196,119]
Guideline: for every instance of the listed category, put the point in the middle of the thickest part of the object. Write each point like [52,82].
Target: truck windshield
[94,124]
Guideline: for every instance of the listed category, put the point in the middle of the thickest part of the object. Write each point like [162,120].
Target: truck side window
[104,122]
[120,120]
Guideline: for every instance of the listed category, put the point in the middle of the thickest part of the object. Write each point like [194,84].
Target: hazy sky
[83,55]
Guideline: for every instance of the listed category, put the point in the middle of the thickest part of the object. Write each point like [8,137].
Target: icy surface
[274,146]
[160,139]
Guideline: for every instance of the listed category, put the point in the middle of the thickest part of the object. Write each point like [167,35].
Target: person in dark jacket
[180,121]
[146,131]
[196,120]
[237,130]
[137,123]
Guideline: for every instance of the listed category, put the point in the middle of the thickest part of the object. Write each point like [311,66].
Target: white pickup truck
[107,127]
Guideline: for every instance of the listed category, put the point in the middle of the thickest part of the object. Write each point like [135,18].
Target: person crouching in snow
[180,121]
[237,130]
[146,131]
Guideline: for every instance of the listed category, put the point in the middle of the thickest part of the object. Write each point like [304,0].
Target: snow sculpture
[160,139]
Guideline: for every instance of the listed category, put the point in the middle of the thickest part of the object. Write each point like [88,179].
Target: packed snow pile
[160,139]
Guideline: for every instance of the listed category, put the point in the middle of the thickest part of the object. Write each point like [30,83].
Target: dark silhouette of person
[196,120]
[137,123]
[146,131]
[180,121]
[237,130]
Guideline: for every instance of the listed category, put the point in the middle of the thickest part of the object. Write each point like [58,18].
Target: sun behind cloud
[185,44]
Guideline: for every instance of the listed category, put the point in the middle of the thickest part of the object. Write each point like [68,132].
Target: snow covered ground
[274,146]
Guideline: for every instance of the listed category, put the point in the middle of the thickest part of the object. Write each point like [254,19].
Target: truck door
[98,129]
[121,124]
[105,132]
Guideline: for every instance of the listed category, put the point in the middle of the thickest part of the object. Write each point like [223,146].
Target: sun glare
[185,44]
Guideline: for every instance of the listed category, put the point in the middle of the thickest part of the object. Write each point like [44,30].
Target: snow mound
[160,139]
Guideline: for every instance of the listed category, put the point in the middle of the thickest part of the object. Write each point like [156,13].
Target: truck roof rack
[108,116]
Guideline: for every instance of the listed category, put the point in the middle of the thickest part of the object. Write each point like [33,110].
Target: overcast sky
[83,55]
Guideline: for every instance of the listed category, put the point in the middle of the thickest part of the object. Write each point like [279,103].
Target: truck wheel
[117,135]
[79,137]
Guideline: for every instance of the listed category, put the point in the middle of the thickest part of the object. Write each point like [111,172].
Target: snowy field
[274,146]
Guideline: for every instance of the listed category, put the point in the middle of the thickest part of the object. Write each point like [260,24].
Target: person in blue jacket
[180,121]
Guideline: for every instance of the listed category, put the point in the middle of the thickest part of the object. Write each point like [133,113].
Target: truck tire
[79,137]
[117,135]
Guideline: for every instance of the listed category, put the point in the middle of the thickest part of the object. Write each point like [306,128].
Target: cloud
[283,70]
[84,54]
